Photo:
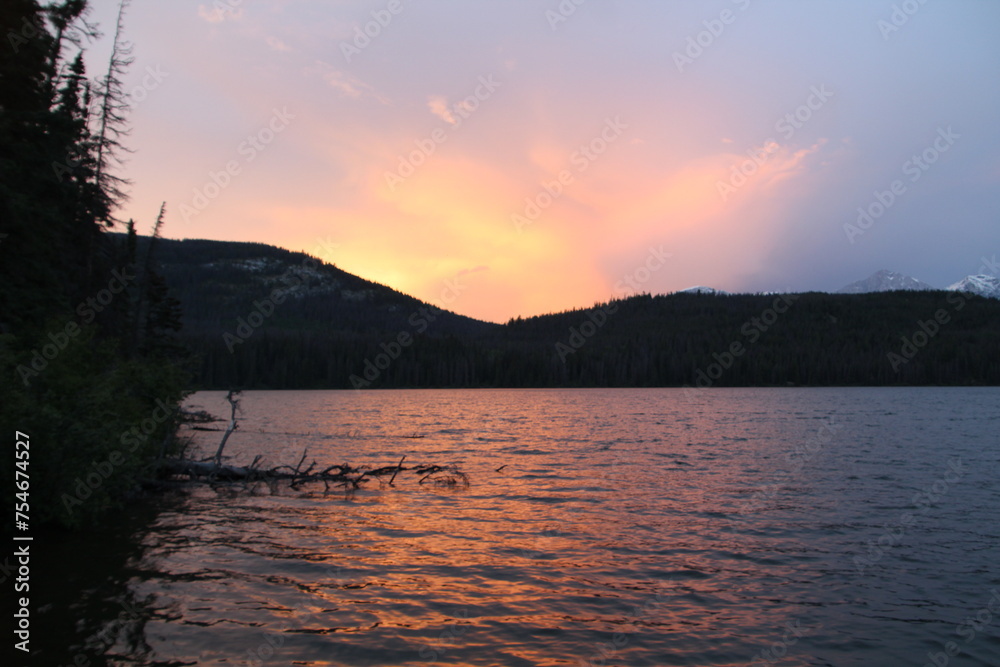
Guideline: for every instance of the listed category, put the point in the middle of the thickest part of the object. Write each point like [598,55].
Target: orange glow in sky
[533,166]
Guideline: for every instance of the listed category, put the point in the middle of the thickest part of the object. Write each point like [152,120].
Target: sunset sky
[537,156]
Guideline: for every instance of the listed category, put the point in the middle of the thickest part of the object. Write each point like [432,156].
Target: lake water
[652,527]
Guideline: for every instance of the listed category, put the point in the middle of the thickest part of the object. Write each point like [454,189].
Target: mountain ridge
[203,274]
[262,317]
[982,284]
[884,281]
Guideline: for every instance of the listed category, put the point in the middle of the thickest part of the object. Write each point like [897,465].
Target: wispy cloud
[219,14]
[347,84]
[439,107]
[276,44]
[786,165]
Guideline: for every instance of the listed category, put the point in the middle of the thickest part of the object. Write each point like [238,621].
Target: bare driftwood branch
[393,479]
[430,470]
[344,474]
[234,405]
[335,474]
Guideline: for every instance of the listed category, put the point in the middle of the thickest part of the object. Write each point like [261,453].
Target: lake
[846,526]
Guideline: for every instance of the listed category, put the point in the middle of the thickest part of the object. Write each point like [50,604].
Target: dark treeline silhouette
[334,330]
[88,345]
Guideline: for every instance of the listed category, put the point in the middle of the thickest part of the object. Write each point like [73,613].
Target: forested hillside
[218,282]
[335,330]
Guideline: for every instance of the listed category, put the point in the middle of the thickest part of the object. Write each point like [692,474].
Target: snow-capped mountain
[884,281]
[983,285]
[700,289]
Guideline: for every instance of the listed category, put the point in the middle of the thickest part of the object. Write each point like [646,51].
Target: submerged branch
[344,474]
[234,405]
[213,469]
[393,479]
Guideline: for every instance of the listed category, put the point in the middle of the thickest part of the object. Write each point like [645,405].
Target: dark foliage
[88,344]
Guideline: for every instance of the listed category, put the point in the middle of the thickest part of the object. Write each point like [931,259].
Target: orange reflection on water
[647,527]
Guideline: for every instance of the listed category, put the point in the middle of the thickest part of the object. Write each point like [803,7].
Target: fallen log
[338,474]
[213,469]
[193,469]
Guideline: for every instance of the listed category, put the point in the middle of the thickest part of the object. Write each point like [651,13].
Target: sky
[517,157]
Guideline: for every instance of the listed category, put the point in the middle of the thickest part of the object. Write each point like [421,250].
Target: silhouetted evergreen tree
[75,380]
